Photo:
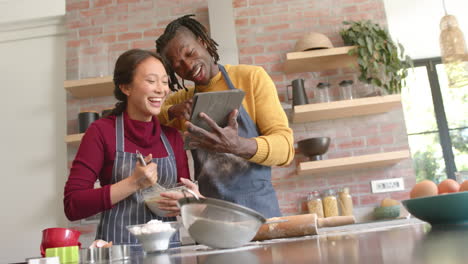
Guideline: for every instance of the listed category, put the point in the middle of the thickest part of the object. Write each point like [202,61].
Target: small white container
[151,239]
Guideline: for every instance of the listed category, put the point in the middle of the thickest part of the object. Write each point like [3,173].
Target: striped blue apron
[231,178]
[132,210]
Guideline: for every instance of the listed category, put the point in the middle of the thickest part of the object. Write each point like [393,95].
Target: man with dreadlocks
[231,163]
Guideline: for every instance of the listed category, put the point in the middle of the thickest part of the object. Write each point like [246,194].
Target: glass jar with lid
[330,204]
[345,202]
[314,204]
[322,92]
[346,90]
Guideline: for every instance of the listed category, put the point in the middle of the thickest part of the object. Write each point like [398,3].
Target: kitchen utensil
[217,223]
[299,225]
[152,240]
[143,162]
[65,254]
[314,147]
[59,237]
[299,96]
[113,253]
[442,209]
[85,119]
[140,158]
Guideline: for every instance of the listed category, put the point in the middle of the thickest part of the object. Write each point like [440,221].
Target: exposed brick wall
[99,30]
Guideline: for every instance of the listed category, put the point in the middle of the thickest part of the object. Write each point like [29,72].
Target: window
[436,121]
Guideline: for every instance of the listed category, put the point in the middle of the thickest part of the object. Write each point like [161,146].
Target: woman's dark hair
[124,72]
[198,30]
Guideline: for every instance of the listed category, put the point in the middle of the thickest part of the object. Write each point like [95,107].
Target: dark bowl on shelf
[314,148]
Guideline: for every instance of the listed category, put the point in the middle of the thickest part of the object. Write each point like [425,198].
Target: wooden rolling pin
[298,225]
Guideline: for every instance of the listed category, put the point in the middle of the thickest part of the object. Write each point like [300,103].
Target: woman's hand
[181,111]
[221,139]
[145,176]
[170,203]
[141,178]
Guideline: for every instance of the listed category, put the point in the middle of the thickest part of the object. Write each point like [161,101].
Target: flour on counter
[153,226]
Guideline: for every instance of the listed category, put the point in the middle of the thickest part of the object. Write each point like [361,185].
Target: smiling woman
[147,91]
[108,152]
[143,90]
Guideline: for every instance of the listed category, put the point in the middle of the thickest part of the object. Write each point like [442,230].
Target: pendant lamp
[453,51]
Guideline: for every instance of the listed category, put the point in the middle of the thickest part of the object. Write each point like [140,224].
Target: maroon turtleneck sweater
[95,159]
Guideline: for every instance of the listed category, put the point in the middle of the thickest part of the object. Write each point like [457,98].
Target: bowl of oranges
[445,203]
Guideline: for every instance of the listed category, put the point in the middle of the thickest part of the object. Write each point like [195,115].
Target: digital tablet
[217,105]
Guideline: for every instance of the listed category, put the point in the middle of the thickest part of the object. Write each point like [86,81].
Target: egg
[464,186]
[424,188]
[448,186]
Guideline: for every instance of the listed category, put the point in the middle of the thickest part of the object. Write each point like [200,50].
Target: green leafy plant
[382,62]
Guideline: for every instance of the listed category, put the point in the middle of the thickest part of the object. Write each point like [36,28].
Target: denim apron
[132,210]
[234,179]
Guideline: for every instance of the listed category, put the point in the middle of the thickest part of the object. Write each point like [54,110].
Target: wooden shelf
[345,108]
[364,161]
[319,60]
[74,139]
[91,87]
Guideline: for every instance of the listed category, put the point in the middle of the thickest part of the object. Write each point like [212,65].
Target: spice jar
[345,202]
[323,95]
[330,204]
[314,204]
[346,90]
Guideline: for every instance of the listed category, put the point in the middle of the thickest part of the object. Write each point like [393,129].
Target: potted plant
[382,61]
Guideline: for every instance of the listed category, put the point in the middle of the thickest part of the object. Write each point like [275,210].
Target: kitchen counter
[402,241]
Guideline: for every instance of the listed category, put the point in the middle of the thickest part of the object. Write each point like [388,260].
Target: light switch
[388,185]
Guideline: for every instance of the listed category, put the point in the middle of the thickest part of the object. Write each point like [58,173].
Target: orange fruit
[424,188]
[464,186]
[448,186]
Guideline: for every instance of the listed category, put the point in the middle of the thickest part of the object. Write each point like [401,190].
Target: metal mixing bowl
[219,224]
[314,147]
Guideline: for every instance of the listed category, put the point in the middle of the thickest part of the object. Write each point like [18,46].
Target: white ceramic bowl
[151,240]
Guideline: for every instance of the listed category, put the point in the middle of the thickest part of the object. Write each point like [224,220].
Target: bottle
[323,95]
[345,202]
[314,204]
[330,204]
[346,90]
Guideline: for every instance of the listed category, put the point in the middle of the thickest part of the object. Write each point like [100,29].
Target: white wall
[415,23]
[223,30]
[33,109]
[20,10]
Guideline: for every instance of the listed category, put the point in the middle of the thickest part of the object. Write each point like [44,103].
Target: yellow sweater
[275,143]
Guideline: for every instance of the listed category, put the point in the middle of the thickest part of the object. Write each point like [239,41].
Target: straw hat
[313,40]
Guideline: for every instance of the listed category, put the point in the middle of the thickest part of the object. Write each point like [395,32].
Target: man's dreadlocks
[198,30]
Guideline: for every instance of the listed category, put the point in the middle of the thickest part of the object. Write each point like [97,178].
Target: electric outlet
[387,185]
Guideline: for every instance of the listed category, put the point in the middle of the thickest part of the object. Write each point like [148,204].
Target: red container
[59,237]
